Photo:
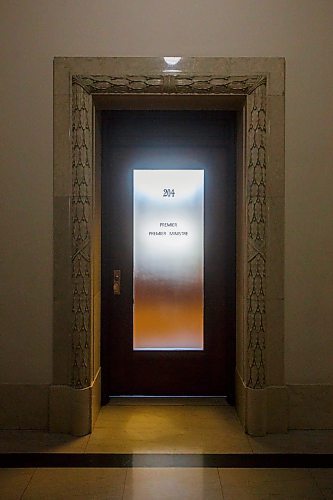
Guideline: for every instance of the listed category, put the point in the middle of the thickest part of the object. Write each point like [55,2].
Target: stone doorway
[255,88]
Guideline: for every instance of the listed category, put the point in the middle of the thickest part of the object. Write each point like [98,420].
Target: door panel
[162,141]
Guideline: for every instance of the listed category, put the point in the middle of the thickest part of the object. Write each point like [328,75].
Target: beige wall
[32,32]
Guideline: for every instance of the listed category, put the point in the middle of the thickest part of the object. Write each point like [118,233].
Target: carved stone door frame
[255,88]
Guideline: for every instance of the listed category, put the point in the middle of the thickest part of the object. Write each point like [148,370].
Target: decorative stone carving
[256,237]
[81,216]
[168,84]
[254,87]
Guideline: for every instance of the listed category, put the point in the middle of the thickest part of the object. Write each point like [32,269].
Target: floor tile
[312,441]
[173,484]
[168,429]
[268,483]
[13,482]
[324,477]
[38,441]
[181,415]
[58,484]
[324,480]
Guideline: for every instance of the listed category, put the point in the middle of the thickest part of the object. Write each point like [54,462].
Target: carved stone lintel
[168,84]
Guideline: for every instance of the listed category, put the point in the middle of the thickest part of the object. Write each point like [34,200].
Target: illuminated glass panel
[168,259]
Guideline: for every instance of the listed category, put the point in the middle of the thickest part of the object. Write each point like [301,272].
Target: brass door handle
[116,281]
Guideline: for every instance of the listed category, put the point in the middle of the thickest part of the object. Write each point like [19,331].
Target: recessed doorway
[254,88]
[168,252]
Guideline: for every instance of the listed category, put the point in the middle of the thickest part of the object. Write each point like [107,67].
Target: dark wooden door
[134,140]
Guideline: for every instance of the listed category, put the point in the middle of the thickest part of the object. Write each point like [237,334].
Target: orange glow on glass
[168,259]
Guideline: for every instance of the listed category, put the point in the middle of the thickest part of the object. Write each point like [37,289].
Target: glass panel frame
[168,260]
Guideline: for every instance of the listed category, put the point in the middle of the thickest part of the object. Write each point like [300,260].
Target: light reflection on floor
[166,428]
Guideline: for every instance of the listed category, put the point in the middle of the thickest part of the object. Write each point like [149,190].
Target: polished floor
[176,429]
[165,483]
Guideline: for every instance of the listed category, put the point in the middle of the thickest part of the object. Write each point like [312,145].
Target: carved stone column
[256,260]
[81,210]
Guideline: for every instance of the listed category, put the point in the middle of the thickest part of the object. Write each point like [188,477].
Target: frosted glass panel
[168,259]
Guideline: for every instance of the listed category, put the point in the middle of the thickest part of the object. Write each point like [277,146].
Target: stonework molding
[168,84]
[254,87]
[81,235]
[74,411]
[256,237]
[263,411]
